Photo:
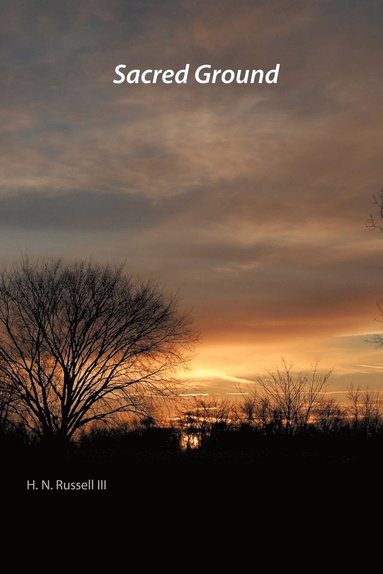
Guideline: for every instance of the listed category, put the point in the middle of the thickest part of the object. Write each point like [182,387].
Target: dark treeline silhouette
[86,362]
[260,437]
[284,410]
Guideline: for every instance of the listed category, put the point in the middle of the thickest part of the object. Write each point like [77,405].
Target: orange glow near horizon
[221,367]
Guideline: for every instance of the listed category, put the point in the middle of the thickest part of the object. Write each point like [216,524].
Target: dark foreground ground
[269,500]
[277,469]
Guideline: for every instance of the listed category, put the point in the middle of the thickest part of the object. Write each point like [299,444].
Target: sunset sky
[250,201]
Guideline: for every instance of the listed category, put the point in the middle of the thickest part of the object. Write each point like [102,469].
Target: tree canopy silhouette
[76,340]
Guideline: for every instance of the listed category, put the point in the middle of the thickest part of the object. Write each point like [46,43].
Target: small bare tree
[258,411]
[248,409]
[201,417]
[203,414]
[366,409]
[375,221]
[293,396]
[78,341]
[329,416]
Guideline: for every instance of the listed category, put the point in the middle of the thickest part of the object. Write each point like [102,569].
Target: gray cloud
[77,210]
[252,200]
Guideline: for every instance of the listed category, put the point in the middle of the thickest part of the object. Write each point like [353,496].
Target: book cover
[191,262]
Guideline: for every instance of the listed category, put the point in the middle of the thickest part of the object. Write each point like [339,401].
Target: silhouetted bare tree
[258,411]
[248,410]
[366,409]
[291,396]
[201,416]
[329,416]
[205,413]
[375,221]
[77,340]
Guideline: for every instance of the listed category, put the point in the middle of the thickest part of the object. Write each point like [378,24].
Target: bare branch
[375,220]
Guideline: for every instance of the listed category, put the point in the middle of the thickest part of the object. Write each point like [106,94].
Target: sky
[249,201]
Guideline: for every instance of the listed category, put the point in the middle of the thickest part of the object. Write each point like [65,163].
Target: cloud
[76,210]
[250,200]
